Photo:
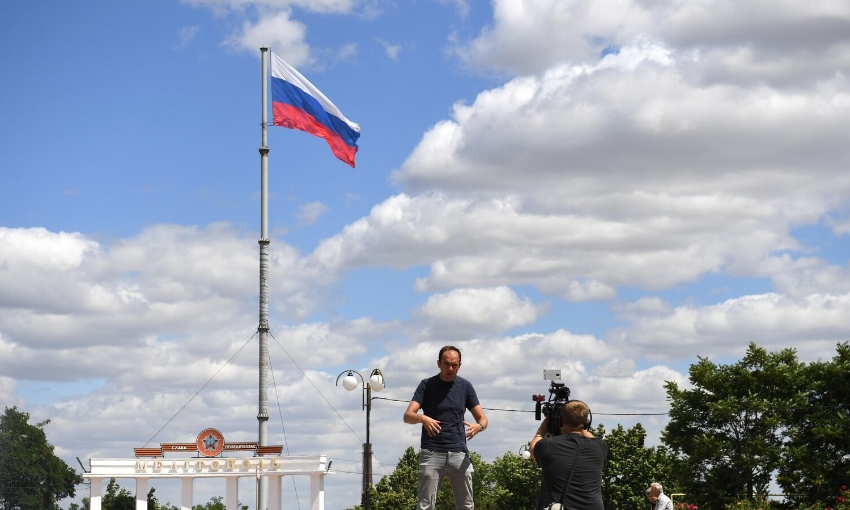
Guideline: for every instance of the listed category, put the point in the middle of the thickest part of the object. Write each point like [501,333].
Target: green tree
[154,504]
[482,487]
[816,460]
[31,476]
[216,503]
[117,497]
[399,490]
[515,482]
[631,467]
[726,432]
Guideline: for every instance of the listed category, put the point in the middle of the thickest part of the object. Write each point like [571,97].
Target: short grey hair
[657,486]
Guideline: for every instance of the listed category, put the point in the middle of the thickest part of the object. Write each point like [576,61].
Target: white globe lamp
[376,382]
[349,382]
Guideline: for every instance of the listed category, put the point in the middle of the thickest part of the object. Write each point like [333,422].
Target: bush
[841,502]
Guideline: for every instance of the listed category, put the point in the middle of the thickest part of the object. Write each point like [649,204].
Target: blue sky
[611,188]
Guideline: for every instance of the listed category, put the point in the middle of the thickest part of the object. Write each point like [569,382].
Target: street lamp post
[376,383]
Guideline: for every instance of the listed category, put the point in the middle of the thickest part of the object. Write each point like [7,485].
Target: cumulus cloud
[813,324]
[461,311]
[735,41]
[696,146]
[597,130]
[286,37]
[271,23]
[808,275]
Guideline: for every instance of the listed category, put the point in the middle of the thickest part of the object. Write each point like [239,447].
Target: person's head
[656,490]
[574,414]
[649,494]
[449,363]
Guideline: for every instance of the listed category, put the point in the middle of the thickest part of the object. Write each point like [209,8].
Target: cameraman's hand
[431,426]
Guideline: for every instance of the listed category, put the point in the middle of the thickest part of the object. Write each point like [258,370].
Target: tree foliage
[515,482]
[816,460]
[511,482]
[31,476]
[727,431]
[117,497]
[631,467]
[399,490]
[216,503]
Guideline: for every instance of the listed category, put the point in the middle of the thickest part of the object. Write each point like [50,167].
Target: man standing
[444,399]
[571,461]
[658,498]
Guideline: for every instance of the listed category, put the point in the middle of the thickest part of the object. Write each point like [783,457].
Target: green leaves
[767,414]
[31,476]
[816,457]
[631,467]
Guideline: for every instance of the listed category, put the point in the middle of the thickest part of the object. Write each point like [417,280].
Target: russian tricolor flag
[297,104]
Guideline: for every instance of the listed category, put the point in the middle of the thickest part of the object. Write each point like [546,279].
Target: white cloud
[840,223]
[8,385]
[187,33]
[740,41]
[391,50]
[308,214]
[597,131]
[492,310]
[461,5]
[807,276]
[321,6]
[699,148]
[285,36]
[528,37]
[346,53]
[813,324]
[270,23]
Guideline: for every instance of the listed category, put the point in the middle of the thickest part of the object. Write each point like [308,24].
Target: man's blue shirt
[445,402]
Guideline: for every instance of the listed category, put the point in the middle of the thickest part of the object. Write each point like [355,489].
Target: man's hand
[472,429]
[431,426]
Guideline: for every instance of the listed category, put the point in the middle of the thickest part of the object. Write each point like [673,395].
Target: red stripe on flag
[288,116]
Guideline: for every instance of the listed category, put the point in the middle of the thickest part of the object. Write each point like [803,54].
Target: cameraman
[571,461]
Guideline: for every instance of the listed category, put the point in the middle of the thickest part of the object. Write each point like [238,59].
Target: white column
[95,493]
[231,499]
[186,495]
[141,494]
[317,492]
[274,493]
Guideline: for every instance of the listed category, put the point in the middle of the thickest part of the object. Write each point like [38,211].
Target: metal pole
[367,451]
[263,328]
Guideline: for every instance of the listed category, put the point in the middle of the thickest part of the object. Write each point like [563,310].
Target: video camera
[559,394]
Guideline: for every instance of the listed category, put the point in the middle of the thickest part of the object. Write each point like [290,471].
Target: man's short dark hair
[449,348]
[574,413]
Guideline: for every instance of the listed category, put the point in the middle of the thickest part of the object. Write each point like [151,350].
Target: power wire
[213,378]
[285,440]
[527,411]
[325,399]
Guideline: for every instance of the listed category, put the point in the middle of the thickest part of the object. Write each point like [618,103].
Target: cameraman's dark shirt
[555,455]
[446,402]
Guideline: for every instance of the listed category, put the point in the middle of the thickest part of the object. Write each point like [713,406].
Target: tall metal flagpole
[263,328]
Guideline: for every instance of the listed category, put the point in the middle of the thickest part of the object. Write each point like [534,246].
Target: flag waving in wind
[297,104]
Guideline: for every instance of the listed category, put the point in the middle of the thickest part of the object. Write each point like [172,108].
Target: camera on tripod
[559,394]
